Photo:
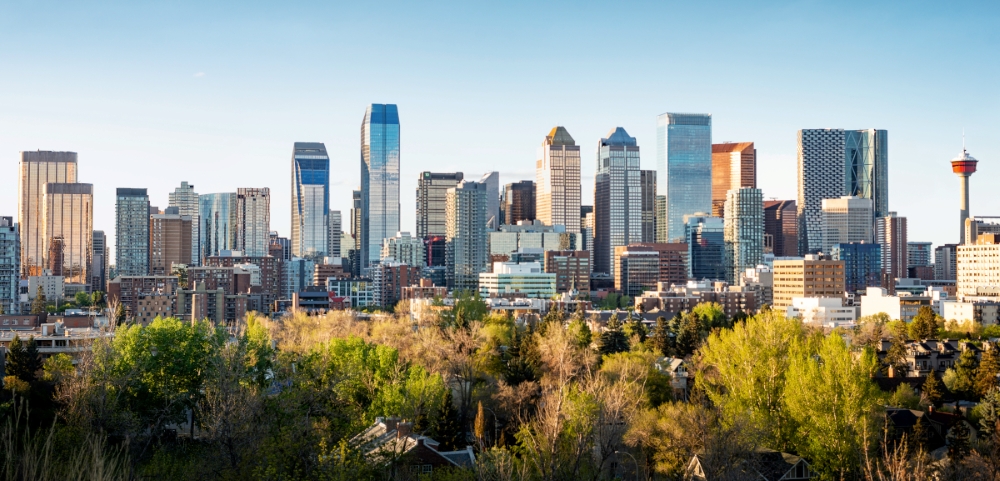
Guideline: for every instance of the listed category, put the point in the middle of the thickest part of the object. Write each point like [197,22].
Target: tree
[23,361]
[931,389]
[662,337]
[635,327]
[39,306]
[958,440]
[711,314]
[689,334]
[905,397]
[57,367]
[468,308]
[965,375]
[479,425]
[986,373]
[96,298]
[444,427]
[613,340]
[924,324]
[895,358]
[580,331]
[82,299]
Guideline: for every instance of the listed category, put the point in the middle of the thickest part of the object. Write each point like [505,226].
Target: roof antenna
[963,140]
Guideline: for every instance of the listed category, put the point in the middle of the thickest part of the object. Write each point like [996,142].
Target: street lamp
[633,460]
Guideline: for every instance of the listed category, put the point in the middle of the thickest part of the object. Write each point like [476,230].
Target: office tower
[54,264]
[683,170]
[572,270]
[636,270]
[866,167]
[492,182]
[185,199]
[918,254]
[557,181]
[734,166]
[974,226]
[132,232]
[647,181]
[169,242]
[406,249]
[820,176]
[10,266]
[617,198]
[809,277]
[217,213]
[705,238]
[99,262]
[68,216]
[253,221]
[846,219]
[781,228]
[310,199]
[963,166]
[432,190]
[890,233]
[673,260]
[334,237]
[285,245]
[862,265]
[743,230]
[37,169]
[945,262]
[467,243]
[587,231]
[517,202]
[379,179]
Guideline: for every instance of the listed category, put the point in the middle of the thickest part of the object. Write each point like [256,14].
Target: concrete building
[215,305]
[670,300]
[780,228]
[673,259]
[846,219]
[533,235]
[647,180]
[902,307]
[706,240]
[945,262]
[335,235]
[572,270]
[10,265]
[185,199]
[395,276]
[517,202]
[979,267]
[743,231]
[296,275]
[636,270]
[807,277]
[269,270]
[734,166]
[862,265]
[432,189]
[68,224]
[557,181]
[426,290]
[53,287]
[683,171]
[253,221]
[406,249]
[617,198]
[492,182]
[760,281]
[984,312]
[467,248]
[890,233]
[130,291]
[169,242]
[37,169]
[359,290]
[380,164]
[514,280]
[823,311]
[99,262]
[132,232]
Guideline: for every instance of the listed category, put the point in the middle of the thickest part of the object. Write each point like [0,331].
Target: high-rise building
[636,270]
[37,169]
[862,265]
[780,228]
[169,242]
[820,176]
[945,262]
[68,216]
[131,232]
[492,182]
[809,277]
[10,266]
[379,179]
[587,231]
[99,262]
[517,202]
[218,216]
[673,260]
[734,166]
[890,233]
[432,190]
[185,199]
[683,170]
[406,249]
[284,246]
[532,235]
[253,221]
[617,198]
[978,267]
[866,167]
[335,235]
[310,199]
[572,270]
[467,243]
[557,181]
[743,231]
[395,276]
[706,241]
[918,254]
[846,219]
[647,181]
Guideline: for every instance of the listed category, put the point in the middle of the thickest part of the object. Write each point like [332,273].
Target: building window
[427,469]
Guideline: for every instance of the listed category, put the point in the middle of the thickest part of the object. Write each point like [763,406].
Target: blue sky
[153,93]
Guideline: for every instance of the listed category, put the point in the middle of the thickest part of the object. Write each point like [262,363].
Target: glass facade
[253,221]
[705,237]
[310,199]
[132,232]
[467,244]
[617,198]
[862,265]
[185,199]
[866,167]
[684,168]
[744,231]
[217,230]
[379,179]
[37,169]
[10,265]
[432,189]
[69,217]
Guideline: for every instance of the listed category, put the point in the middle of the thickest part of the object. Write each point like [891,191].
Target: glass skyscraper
[744,230]
[705,237]
[132,232]
[862,265]
[617,198]
[379,179]
[217,229]
[37,169]
[69,217]
[432,190]
[684,170]
[557,181]
[866,167]
[185,199]
[253,221]
[310,199]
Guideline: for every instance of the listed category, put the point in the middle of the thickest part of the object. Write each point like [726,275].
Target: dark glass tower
[310,199]
[379,179]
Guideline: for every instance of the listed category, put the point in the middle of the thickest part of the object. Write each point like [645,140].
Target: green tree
[986,373]
[39,306]
[965,375]
[905,397]
[689,334]
[711,314]
[613,340]
[23,361]
[662,337]
[635,327]
[895,358]
[444,426]
[931,389]
[57,367]
[924,324]
[468,308]
[959,442]
[82,299]
[555,316]
[97,298]
[580,331]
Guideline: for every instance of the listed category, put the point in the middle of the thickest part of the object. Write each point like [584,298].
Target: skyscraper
[918,254]
[169,241]
[734,166]
[820,176]
[647,179]
[185,199]
[310,199]
[99,262]
[492,182]
[866,167]
[379,179]
[432,189]
[781,228]
[557,181]
[467,243]
[10,266]
[862,265]
[69,216]
[617,198]
[683,170]
[846,219]
[132,232]
[744,231]
[517,202]
[354,256]
[217,213]
[890,233]
[253,221]
[37,169]
[334,237]
[706,241]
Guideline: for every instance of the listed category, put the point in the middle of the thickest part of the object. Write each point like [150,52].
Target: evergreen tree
[959,444]
[39,306]
[634,327]
[965,375]
[661,336]
[613,340]
[989,412]
[580,331]
[932,389]
[986,373]
[479,425]
[921,435]
[689,335]
[896,356]
[444,426]
[924,324]
[23,361]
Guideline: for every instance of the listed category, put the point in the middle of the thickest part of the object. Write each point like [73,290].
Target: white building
[983,312]
[53,287]
[903,306]
[845,220]
[405,248]
[978,266]
[824,311]
[510,279]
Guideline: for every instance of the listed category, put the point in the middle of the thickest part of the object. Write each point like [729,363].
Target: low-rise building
[53,287]
[130,290]
[510,279]
[904,306]
[426,290]
[572,270]
[359,289]
[395,276]
[807,277]
[823,311]
[672,299]
[983,312]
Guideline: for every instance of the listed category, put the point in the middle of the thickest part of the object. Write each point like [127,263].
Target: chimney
[390,423]
[403,429]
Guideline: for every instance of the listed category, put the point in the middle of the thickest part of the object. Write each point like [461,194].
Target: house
[391,441]
[768,464]
[678,374]
[932,355]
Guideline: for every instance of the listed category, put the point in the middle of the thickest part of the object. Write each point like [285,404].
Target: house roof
[384,442]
